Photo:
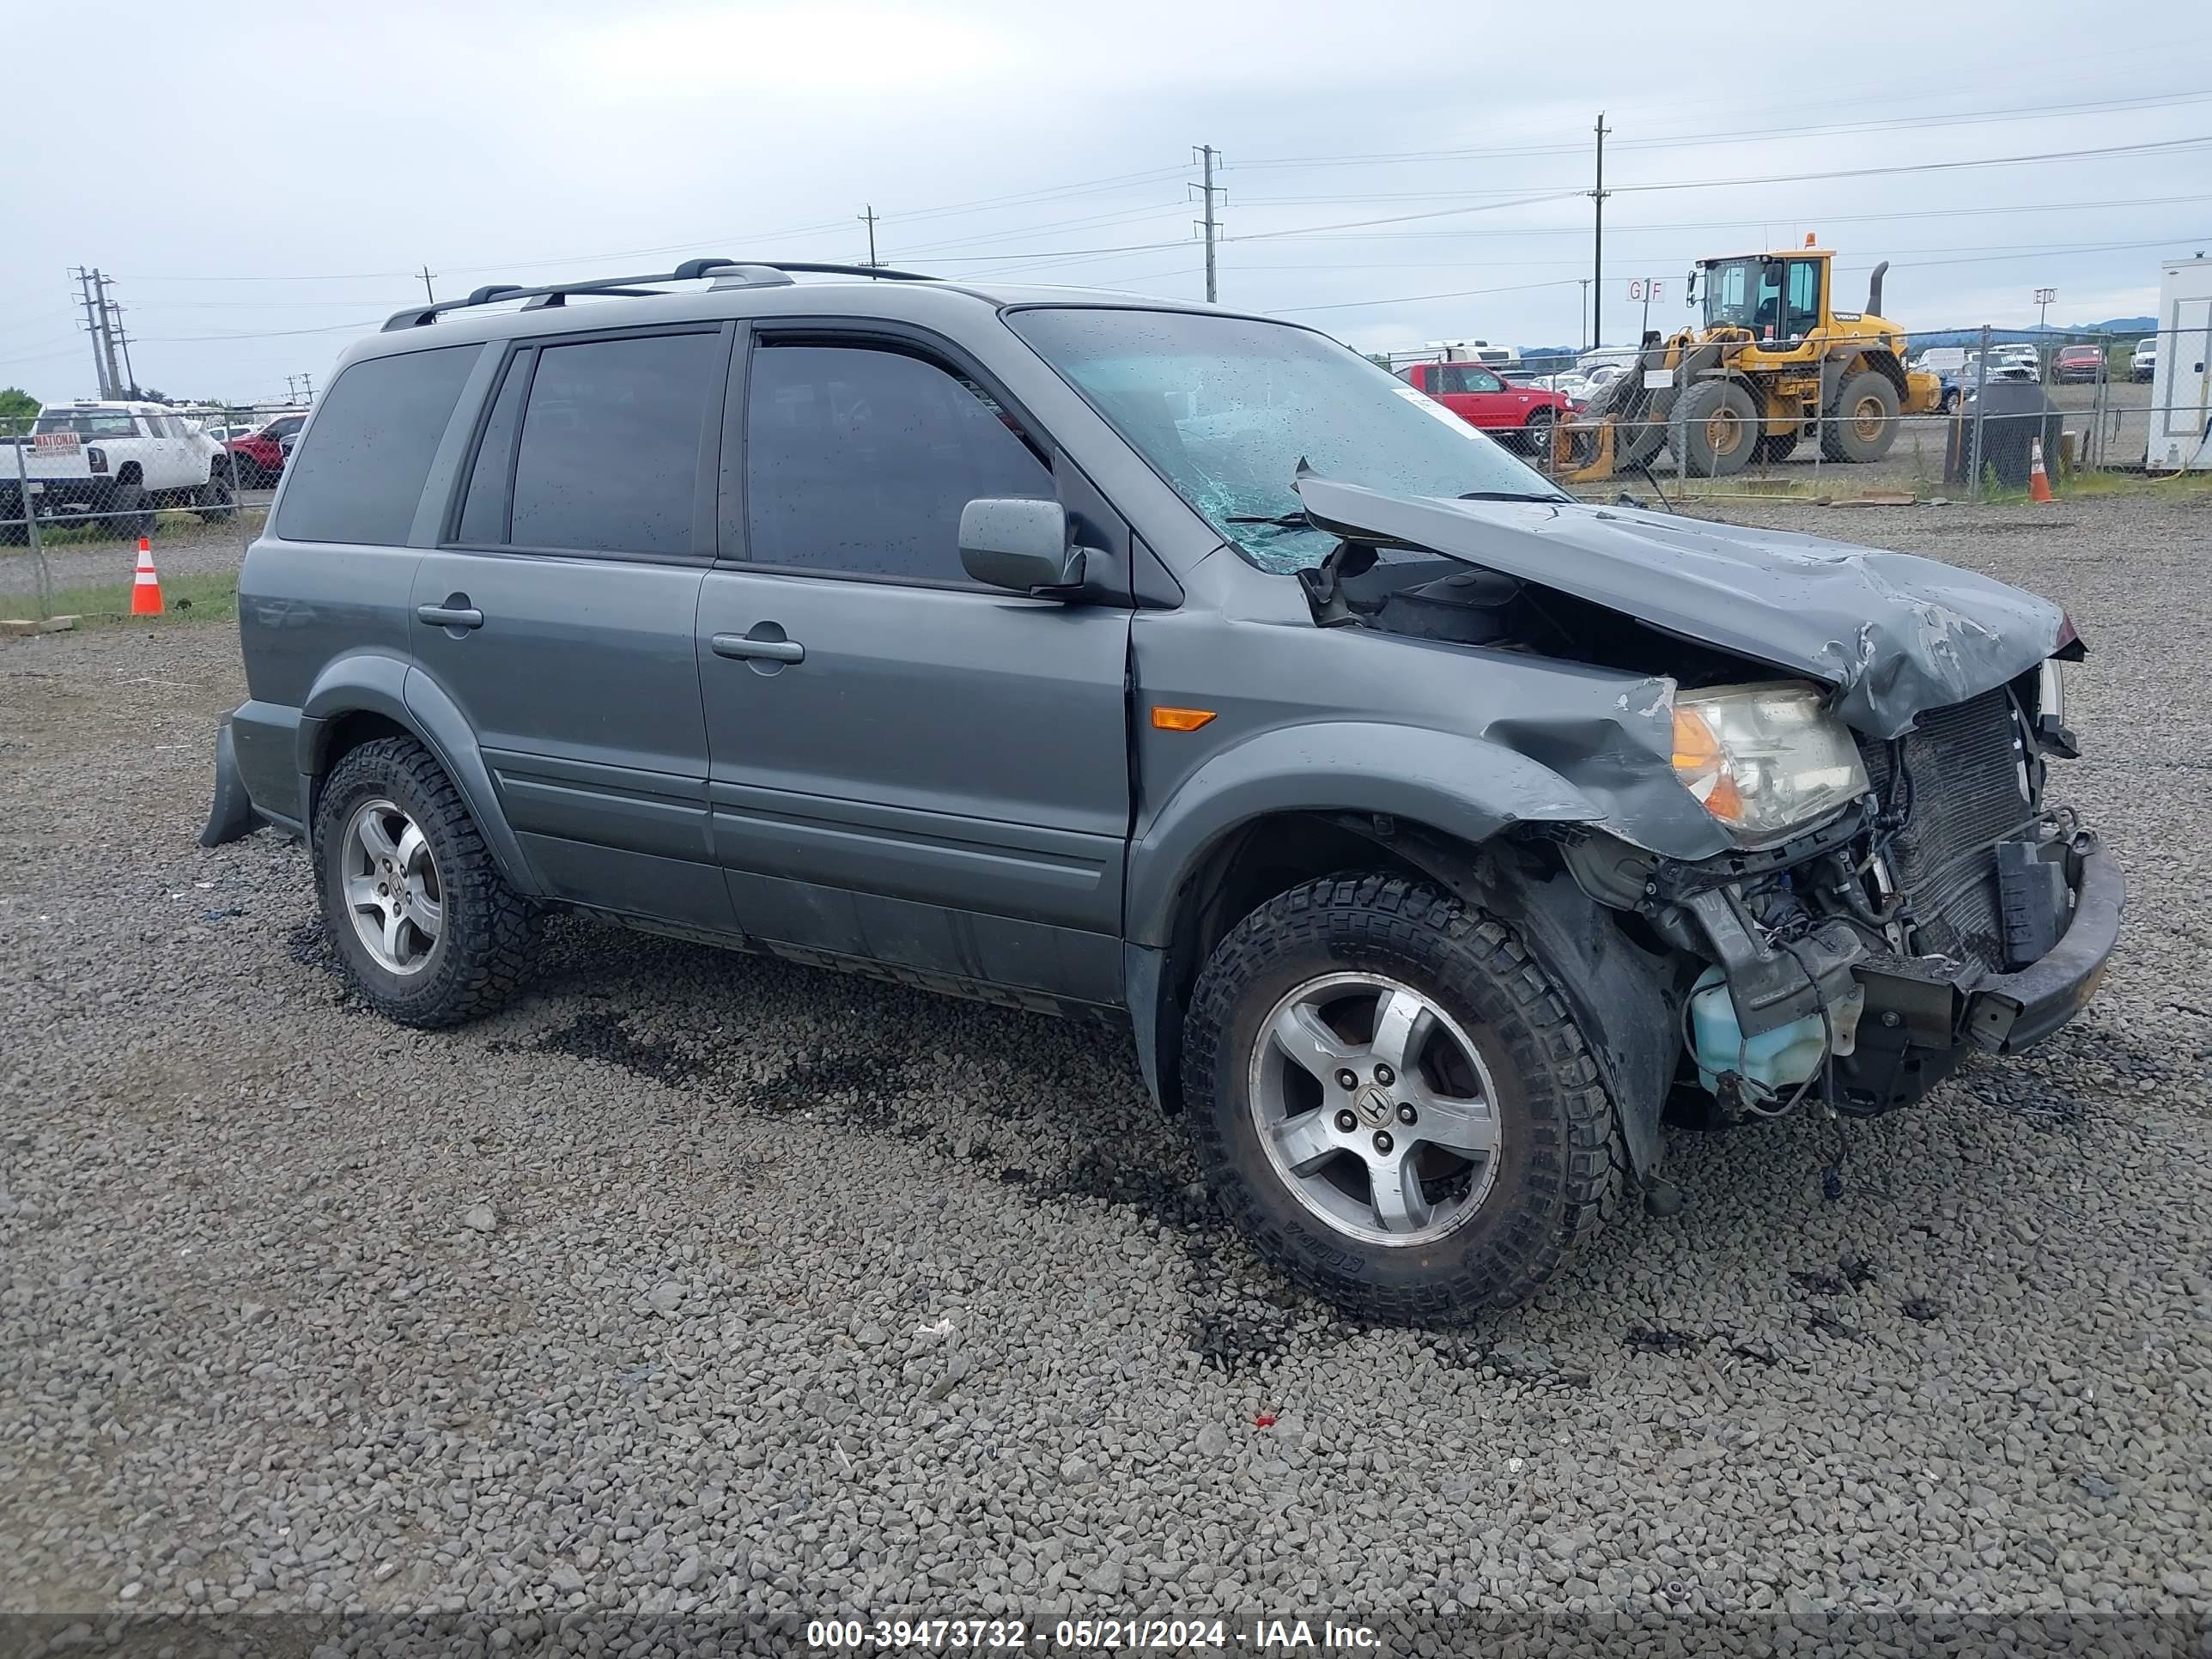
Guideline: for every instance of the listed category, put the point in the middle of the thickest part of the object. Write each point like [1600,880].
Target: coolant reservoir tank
[1780,1059]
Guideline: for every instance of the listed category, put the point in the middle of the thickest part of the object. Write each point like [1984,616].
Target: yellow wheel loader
[1774,363]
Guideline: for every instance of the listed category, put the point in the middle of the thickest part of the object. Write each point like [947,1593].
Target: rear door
[557,614]
[908,767]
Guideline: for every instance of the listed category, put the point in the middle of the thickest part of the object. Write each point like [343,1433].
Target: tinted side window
[1447,377]
[483,515]
[860,460]
[609,460]
[376,431]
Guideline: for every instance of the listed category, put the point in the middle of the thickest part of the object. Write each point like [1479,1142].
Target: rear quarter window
[359,477]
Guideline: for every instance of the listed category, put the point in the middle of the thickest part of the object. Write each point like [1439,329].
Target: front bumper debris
[1921,1015]
[2008,1013]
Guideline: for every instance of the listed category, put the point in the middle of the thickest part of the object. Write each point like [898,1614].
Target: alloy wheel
[1375,1109]
[391,885]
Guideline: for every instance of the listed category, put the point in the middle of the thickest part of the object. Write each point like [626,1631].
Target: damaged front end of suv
[1879,882]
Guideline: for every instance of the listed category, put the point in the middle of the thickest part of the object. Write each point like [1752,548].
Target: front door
[907,768]
[558,615]
[1477,396]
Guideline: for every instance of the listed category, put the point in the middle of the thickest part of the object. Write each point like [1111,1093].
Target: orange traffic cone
[2039,481]
[146,587]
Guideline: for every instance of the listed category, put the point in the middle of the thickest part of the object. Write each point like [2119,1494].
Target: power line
[1409,299]
[1976,118]
[1407,218]
[1730,224]
[2159,146]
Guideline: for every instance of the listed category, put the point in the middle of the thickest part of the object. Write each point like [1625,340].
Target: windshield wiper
[1281,521]
[1508,496]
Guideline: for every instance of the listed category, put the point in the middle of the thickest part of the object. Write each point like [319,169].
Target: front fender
[1463,786]
[372,682]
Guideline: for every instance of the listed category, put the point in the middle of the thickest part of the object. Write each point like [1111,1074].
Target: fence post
[237,502]
[2092,441]
[30,532]
[1981,385]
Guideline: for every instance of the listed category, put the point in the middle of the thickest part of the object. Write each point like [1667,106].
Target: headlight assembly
[1765,759]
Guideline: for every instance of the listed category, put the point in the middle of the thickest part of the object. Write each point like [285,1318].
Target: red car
[2078,363]
[261,453]
[1480,398]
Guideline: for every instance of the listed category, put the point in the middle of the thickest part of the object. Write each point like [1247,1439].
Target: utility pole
[1597,244]
[107,335]
[1581,312]
[308,385]
[426,273]
[1207,155]
[91,328]
[869,220]
[123,344]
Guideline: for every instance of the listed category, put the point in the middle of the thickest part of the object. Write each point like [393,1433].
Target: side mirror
[1019,544]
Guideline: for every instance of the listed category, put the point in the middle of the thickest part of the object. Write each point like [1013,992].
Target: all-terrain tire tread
[487,965]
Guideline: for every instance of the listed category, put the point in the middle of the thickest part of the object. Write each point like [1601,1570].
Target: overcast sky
[263,195]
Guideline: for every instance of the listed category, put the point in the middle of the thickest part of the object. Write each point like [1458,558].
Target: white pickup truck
[121,460]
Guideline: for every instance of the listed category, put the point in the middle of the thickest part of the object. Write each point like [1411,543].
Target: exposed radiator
[1969,792]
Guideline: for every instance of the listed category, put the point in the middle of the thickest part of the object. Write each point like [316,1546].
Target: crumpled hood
[1894,634]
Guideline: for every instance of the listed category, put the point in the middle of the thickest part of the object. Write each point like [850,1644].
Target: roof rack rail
[749,272]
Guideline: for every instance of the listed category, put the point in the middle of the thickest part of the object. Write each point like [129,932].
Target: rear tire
[1715,427]
[1862,424]
[450,940]
[1489,1040]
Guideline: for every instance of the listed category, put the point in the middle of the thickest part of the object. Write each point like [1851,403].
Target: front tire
[1864,423]
[423,924]
[1715,427]
[1481,1147]
[213,499]
[1536,435]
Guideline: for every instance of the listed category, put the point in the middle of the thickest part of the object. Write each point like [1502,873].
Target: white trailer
[2181,390]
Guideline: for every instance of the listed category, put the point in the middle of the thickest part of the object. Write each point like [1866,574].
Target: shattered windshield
[1225,408]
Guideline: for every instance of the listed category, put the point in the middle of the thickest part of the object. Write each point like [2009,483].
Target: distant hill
[2111,327]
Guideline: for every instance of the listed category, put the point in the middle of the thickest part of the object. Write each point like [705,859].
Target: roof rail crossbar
[553,294]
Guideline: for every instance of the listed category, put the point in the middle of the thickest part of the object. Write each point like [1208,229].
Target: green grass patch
[188,601]
[169,523]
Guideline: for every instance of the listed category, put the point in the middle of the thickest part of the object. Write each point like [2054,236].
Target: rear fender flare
[1461,787]
[370,683]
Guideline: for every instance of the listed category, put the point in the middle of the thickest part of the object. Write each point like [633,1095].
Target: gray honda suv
[1436,835]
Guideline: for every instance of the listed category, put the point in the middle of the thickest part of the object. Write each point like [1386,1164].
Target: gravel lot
[696,1284]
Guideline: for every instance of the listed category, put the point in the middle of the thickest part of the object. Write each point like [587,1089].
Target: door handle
[450,615]
[739,645]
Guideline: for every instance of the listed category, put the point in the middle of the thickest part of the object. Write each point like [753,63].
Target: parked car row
[119,458]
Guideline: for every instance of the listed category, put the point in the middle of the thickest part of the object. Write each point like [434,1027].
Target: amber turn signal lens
[1180,719]
[1696,749]
[1701,765]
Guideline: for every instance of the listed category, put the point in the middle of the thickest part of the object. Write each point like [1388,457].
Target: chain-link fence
[1955,422]
[107,473]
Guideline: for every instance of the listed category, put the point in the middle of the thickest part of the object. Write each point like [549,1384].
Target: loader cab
[1778,299]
